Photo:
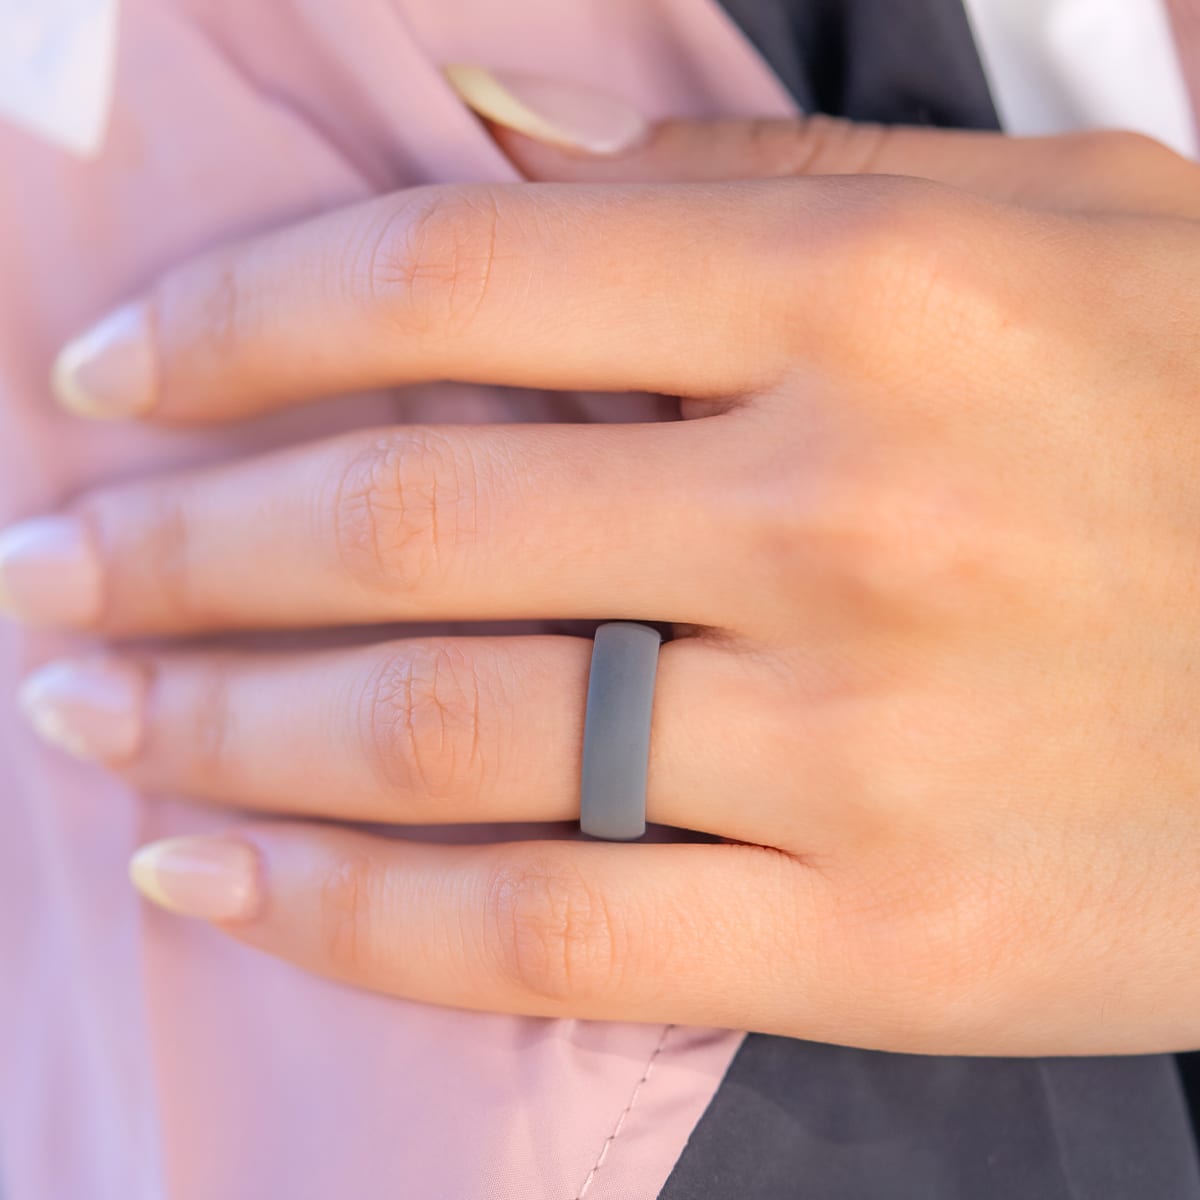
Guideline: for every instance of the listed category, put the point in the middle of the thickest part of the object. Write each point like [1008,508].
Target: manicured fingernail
[108,372]
[214,878]
[49,572]
[90,709]
[563,114]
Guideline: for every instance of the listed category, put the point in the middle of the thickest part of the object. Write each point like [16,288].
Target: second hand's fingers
[455,523]
[554,131]
[424,731]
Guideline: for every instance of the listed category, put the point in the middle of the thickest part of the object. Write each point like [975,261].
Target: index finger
[680,289]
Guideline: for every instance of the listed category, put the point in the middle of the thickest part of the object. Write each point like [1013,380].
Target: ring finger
[422,731]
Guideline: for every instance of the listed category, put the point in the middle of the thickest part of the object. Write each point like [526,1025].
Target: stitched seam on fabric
[612,1137]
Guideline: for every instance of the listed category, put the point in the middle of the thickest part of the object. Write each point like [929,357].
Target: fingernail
[563,114]
[214,878]
[92,710]
[49,572]
[108,372]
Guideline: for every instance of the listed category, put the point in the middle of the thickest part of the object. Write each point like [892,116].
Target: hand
[930,541]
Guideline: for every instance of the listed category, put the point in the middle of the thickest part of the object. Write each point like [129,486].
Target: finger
[679,933]
[583,288]
[424,731]
[554,131]
[414,523]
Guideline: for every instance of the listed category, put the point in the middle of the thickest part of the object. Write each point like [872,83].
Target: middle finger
[451,523]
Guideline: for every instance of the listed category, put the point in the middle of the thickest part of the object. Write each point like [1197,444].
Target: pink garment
[148,1058]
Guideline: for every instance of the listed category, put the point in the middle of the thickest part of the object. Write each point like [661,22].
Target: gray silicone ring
[616,731]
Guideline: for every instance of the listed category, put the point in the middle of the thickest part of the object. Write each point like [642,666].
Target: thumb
[553,130]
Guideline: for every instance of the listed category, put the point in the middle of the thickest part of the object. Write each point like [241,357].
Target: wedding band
[616,731]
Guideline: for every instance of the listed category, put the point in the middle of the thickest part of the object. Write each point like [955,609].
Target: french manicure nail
[108,372]
[93,710]
[213,878]
[49,572]
[563,114]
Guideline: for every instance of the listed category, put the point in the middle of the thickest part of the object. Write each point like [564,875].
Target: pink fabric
[146,1058]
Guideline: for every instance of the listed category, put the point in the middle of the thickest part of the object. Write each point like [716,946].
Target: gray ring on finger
[616,731]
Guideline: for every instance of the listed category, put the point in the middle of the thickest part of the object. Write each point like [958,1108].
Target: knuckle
[149,551]
[811,145]
[422,721]
[1120,151]
[783,148]
[1129,171]
[946,938]
[892,546]
[816,145]
[551,933]
[401,508]
[900,249]
[908,261]
[199,315]
[907,544]
[213,725]
[429,264]
[349,892]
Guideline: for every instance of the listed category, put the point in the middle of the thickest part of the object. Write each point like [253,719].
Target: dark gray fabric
[899,61]
[772,27]
[796,1119]
[1189,1075]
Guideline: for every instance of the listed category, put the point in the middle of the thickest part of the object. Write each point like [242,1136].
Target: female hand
[931,543]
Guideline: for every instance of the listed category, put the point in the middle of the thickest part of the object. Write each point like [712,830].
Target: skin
[928,536]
